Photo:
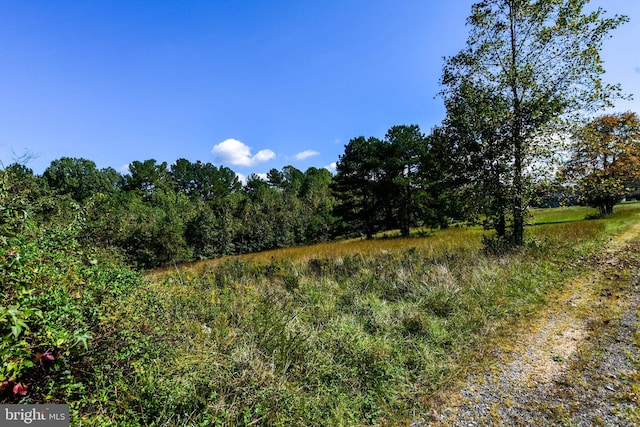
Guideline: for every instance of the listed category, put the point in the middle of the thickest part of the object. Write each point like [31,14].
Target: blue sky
[251,85]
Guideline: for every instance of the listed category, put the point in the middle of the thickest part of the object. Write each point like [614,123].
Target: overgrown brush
[54,298]
[350,339]
[355,333]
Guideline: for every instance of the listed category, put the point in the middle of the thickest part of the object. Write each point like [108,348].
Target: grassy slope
[349,333]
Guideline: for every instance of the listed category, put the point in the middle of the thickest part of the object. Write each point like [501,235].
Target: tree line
[157,214]
[516,100]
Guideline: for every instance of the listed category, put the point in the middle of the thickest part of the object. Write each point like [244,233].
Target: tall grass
[353,333]
[441,241]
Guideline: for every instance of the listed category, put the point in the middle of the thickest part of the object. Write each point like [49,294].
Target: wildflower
[20,389]
[44,358]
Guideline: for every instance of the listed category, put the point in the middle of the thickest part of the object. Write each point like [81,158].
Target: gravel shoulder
[576,364]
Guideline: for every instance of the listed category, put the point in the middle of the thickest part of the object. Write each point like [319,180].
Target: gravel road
[576,364]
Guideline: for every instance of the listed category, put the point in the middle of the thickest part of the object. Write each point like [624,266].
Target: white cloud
[306,154]
[332,167]
[242,178]
[237,153]
[263,156]
[124,168]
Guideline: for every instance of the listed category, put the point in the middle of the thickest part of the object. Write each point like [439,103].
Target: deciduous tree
[541,60]
[606,160]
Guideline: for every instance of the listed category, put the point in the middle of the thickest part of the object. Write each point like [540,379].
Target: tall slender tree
[541,58]
[407,145]
[357,184]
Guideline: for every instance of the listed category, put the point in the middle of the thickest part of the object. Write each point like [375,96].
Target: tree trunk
[516,140]
[518,199]
[501,225]
[610,207]
[405,228]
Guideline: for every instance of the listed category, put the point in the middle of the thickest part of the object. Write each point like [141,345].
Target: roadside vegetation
[352,339]
[357,337]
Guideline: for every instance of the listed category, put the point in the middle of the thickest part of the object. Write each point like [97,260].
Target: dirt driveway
[575,364]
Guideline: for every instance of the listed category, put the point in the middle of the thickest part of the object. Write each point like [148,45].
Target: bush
[55,294]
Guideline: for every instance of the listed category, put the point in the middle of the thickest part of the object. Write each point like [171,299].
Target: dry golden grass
[437,242]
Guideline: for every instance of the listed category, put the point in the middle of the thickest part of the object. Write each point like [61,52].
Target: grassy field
[352,333]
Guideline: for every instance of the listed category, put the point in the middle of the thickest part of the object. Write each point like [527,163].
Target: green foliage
[477,163]
[211,232]
[317,205]
[527,65]
[197,211]
[388,184]
[147,177]
[157,215]
[606,160]
[80,178]
[14,349]
[357,339]
[407,152]
[359,172]
[54,294]
[204,181]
